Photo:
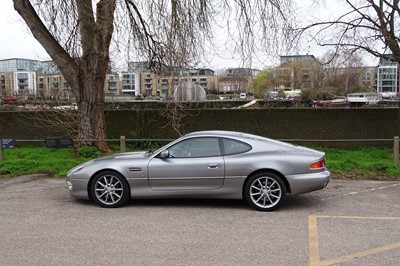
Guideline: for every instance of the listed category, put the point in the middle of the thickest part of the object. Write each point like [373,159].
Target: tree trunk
[85,75]
[90,102]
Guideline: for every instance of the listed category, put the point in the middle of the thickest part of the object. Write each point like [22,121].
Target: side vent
[135,169]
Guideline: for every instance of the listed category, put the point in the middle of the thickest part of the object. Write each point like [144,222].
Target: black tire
[109,189]
[265,191]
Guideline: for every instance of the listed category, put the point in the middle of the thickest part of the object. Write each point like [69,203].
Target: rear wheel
[265,191]
[109,189]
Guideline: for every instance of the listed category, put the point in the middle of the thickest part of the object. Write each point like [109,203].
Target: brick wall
[318,124]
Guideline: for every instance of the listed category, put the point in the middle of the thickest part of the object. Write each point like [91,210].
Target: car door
[192,164]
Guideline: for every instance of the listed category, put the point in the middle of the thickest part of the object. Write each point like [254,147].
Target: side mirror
[164,154]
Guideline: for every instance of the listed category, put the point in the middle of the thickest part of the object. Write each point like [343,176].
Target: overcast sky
[16,41]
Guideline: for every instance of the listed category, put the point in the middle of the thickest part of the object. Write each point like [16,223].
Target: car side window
[232,146]
[195,147]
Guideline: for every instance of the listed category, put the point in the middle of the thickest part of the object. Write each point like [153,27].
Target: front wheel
[265,191]
[109,189]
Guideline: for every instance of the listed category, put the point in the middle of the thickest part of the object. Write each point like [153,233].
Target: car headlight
[69,184]
[79,167]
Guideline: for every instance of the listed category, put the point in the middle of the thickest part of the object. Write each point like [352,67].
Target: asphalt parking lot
[347,223]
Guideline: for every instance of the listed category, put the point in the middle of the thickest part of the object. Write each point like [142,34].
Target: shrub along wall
[287,124]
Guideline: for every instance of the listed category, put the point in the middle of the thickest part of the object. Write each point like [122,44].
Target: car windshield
[150,153]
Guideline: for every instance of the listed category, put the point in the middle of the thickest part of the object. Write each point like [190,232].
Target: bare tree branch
[370,26]
[170,34]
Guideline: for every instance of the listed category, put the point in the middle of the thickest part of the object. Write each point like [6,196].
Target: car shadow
[188,203]
[302,202]
[292,203]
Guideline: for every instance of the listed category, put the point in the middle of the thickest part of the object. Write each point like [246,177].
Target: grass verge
[31,160]
[360,163]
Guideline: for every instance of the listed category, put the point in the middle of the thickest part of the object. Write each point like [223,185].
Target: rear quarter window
[232,146]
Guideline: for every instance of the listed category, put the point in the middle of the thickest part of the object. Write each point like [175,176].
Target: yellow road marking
[358,217]
[360,254]
[313,240]
[314,244]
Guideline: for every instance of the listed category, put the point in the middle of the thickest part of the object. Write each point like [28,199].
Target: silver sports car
[206,164]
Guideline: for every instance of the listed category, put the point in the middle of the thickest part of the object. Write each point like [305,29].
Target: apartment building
[237,80]
[112,84]
[20,64]
[204,77]
[53,86]
[285,59]
[369,77]
[43,79]
[18,76]
[387,77]
[148,83]
[298,71]
[24,83]
[244,72]
[6,84]
[130,83]
[233,84]
[25,77]
[147,78]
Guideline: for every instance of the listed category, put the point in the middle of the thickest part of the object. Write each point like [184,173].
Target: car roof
[217,133]
[227,133]
[237,134]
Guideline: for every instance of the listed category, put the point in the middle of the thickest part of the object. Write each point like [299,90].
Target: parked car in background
[10,99]
[205,164]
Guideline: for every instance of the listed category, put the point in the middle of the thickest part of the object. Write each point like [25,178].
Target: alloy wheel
[265,192]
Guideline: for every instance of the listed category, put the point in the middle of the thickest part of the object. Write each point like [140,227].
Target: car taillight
[318,165]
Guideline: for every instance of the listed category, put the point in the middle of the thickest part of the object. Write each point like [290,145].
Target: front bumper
[78,188]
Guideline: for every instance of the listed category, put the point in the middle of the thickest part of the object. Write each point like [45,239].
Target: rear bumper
[304,183]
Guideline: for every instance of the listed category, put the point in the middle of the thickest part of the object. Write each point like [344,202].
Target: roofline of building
[26,59]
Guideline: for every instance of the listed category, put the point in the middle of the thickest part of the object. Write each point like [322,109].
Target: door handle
[212,166]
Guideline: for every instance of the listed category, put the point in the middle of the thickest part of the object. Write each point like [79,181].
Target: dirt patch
[8,180]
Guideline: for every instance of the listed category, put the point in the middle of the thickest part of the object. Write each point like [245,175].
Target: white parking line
[368,190]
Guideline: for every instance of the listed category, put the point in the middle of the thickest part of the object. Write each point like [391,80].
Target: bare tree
[371,26]
[352,72]
[344,71]
[176,113]
[78,34]
[58,119]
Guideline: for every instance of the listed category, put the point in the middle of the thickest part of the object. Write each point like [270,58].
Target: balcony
[22,84]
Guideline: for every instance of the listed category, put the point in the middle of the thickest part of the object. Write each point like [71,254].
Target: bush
[307,95]
[89,152]
[324,95]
